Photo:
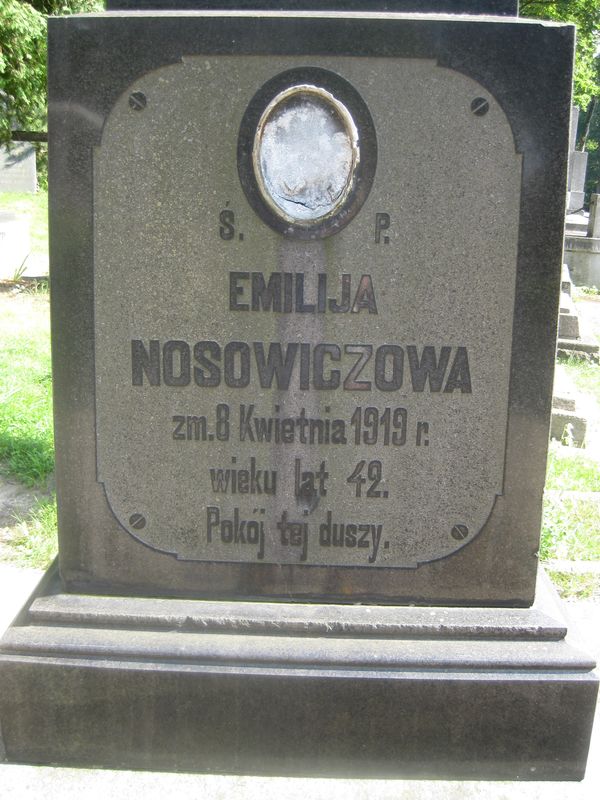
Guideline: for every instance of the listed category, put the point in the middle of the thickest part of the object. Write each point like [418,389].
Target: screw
[459,532]
[137,101]
[480,106]
[137,521]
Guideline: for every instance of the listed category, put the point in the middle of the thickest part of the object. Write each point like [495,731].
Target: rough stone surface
[440,514]
[45,783]
[232,699]
[454,478]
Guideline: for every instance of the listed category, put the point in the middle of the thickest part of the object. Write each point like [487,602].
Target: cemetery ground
[570,545]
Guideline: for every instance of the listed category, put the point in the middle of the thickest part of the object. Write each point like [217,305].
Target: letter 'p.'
[382,223]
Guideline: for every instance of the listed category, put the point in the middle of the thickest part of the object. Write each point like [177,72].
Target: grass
[571,469]
[35,208]
[26,436]
[33,540]
[571,527]
[585,375]
[592,291]
[571,514]
[576,587]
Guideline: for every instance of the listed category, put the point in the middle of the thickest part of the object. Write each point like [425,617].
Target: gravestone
[582,247]
[593,230]
[304,270]
[577,168]
[17,168]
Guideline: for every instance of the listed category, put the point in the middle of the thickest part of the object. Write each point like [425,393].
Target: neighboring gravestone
[304,271]
[593,230]
[582,247]
[17,168]
[573,337]
[577,168]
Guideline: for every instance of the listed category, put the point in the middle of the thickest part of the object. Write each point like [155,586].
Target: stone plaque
[306,271]
[326,383]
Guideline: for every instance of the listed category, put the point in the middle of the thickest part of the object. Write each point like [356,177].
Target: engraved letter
[144,362]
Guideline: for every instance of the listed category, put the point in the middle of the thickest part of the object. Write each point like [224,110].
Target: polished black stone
[500,7]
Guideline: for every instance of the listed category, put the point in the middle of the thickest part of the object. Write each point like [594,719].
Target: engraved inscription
[269,399]
[300,364]
[285,292]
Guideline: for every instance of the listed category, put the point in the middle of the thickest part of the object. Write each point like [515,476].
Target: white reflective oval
[305,154]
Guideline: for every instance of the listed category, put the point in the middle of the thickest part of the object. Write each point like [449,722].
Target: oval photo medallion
[307,153]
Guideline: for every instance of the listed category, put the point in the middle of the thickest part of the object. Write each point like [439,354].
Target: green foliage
[23,60]
[585,375]
[23,51]
[570,469]
[585,14]
[57,7]
[593,291]
[576,587]
[22,68]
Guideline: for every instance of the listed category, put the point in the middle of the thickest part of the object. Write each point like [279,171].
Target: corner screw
[137,521]
[459,532]
[480,106]
[137,101]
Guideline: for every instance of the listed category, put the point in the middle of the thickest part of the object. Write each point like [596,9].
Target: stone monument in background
[17,168]
[577,168]
[304,270]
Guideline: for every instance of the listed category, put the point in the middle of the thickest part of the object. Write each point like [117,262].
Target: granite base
[295,689]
